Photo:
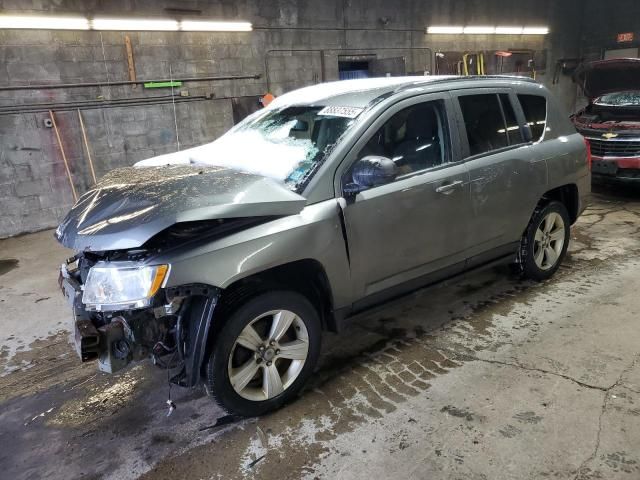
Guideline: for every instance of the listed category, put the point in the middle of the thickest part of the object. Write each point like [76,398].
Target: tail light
[589,159]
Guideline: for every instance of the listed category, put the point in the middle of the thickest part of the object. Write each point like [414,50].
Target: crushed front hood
[608,76]
[131,205]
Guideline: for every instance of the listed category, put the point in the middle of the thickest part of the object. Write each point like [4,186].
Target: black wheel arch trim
[195,319]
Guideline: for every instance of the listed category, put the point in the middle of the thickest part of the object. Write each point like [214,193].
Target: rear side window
[513,128]
[535,114]
[486,130]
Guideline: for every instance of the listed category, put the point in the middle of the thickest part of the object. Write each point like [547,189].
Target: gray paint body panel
[314,233]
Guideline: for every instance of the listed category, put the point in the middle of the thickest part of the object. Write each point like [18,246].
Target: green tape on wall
[162,84]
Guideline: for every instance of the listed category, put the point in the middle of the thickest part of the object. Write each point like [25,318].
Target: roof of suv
[361,92]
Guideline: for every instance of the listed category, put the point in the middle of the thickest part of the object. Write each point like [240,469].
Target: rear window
[486,130]
[535,114]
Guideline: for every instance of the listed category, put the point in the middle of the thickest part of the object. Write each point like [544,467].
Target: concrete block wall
[34,190]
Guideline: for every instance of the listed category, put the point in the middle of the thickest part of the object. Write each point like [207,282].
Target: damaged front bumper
[173,330]
[86,336]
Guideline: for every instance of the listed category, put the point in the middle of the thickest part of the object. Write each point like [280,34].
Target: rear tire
[545,242]
[264,353]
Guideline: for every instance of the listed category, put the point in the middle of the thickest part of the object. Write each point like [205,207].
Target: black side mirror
[373,170]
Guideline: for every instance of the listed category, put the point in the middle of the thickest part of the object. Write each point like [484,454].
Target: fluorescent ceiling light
[134,24]
[448,30]
[535,30]
[212,26]
[486,30]
[479,30]
[44,22]
[509,30]
[127,24]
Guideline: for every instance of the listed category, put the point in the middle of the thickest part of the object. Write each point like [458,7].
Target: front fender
[315,233]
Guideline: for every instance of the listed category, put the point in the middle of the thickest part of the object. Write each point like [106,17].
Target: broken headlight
[122,286]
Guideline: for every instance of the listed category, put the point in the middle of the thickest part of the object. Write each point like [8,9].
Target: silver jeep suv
[225,262]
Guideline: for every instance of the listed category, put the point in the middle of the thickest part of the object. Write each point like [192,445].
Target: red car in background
[611,120]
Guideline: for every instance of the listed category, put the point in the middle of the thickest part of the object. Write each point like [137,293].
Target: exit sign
[625,37]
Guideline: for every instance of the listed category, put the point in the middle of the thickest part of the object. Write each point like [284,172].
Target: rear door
[504,176]
[416,224]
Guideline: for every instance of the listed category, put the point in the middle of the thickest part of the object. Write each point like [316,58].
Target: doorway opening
[349,70]
[366,66]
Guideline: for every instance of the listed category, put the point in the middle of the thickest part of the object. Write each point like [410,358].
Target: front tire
[264,354]
[545,242]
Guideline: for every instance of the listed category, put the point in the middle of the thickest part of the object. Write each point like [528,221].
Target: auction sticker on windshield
[346,112]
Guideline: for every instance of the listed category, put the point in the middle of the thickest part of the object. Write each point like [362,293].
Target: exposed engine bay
[608,117]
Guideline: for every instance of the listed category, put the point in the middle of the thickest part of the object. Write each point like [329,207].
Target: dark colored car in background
[611,120]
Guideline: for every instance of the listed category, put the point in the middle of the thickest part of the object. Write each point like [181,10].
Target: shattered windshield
[287,144]
[620,99]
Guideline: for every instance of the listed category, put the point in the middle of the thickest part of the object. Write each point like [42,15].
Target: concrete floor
[487,378]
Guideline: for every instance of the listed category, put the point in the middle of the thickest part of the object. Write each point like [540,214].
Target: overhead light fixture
[131,24]
[445,30]
[535,30]
[214,26]
[487,30]
[43,22]
[479,30]
[509,30]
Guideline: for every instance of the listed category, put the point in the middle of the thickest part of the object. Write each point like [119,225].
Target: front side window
[535,114]
[486,129]
[415,138]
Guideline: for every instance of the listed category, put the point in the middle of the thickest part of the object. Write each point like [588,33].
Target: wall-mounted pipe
[127,82]
[98,104]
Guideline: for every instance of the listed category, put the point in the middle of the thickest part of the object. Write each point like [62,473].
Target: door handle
[448,188]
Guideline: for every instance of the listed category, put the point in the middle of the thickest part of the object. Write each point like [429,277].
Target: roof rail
[446,79]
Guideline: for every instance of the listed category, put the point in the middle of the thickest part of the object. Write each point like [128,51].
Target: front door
[415,224]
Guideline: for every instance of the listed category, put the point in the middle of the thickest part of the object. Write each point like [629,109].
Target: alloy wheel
[268,355]
[549,241]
